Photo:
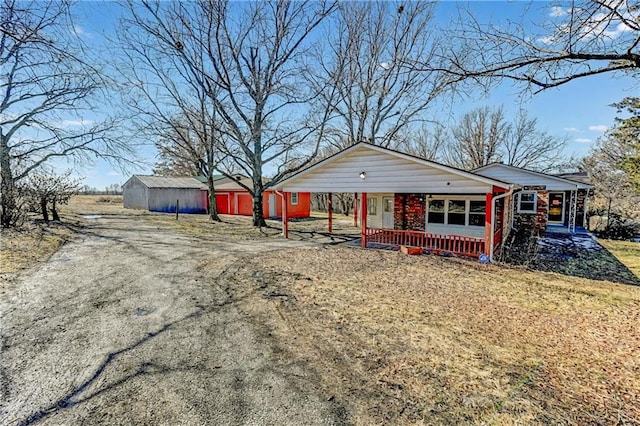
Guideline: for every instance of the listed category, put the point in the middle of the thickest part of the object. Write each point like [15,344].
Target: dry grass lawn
[429,340]
[626,252]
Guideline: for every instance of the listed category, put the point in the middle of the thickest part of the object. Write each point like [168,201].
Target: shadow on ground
[573,255]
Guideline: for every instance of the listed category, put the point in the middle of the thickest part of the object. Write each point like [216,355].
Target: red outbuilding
[233,198]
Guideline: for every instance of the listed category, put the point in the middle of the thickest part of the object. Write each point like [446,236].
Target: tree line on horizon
[242,88]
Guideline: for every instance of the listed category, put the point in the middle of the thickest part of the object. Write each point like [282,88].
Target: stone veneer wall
[536,221]
[409,212]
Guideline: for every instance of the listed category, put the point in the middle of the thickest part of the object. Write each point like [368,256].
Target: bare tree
[48,190]
[249,58]
[476,138]
[169,104]
[529,147]
[46,88]
[365,56]
[424,143]
[577,39]
[483,136]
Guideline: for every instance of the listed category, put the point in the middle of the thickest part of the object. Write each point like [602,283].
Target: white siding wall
[385,173]
[507,174]
[134,195]
[466,231]
[164,200]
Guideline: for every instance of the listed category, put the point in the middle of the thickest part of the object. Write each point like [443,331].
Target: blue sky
[578,110]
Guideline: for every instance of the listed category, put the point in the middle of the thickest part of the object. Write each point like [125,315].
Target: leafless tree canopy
[249,58]
[484,136]
[375,95]
[169,105]
[576,39]
[46,89]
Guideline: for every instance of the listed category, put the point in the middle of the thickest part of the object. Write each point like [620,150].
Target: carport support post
[285,216]
[355,209]
[487,225]
[330,208]
[363,221]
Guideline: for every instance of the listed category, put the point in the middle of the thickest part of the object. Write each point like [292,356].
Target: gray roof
[171,182]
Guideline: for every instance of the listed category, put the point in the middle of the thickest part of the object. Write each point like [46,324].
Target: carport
[405,200]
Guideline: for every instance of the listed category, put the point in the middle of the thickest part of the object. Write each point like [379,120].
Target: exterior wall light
[363,175]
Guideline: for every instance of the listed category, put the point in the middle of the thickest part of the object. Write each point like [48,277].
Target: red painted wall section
[226,204]
[301,209]
[222,203]
[245,204]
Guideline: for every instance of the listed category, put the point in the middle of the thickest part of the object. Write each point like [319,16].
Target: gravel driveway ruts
[125,325]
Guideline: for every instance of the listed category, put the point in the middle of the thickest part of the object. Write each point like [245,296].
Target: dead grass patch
[626,252]
[427,340]
[35,241]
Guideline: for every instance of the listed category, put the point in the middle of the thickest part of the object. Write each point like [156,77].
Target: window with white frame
[457,211]
[294,198]
[477,212]
[372,206]
[527,202]
[435,213]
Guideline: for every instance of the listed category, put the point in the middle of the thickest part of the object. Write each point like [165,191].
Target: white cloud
[584,140]
[572,129]
[547,40]
[80,32]
[557,11]
[598,128]
[75,123]
[113,173]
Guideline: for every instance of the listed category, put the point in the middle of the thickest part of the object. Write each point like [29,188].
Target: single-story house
[406,200]
[546,202]
[232,198]
[161,194]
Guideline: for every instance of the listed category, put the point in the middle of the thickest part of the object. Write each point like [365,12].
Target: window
[387,204]
[527,202]
[460,212]
[294,198]
[372,206]
[456,214]
[436,211]
[477,213]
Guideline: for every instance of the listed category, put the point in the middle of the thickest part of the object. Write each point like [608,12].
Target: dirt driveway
[137,323]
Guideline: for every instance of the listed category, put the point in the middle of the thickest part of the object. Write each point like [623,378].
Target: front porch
[429,242]
[411,220]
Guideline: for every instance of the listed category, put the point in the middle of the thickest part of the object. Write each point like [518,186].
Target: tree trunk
[7,186]
[213,212]
[54,211]
[258,213]
[43,207]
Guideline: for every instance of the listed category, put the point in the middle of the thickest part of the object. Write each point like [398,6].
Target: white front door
[272,205]
[387,212]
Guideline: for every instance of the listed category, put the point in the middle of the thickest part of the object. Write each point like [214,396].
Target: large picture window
[527,202]
[462,212]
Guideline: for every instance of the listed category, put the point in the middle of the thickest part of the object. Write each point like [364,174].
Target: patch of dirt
[134,322]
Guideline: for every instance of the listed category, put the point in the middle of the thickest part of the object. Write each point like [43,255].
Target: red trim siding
[241,203]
